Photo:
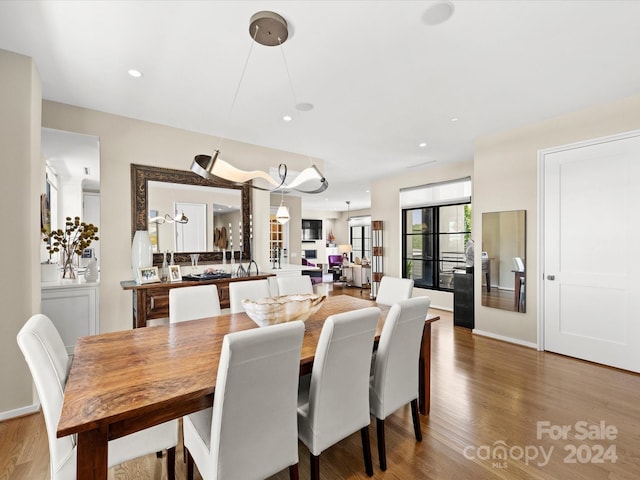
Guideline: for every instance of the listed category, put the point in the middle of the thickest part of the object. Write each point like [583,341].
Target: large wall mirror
[219,213]
[504,260]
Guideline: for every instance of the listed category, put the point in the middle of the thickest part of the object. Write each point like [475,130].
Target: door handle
[551,277]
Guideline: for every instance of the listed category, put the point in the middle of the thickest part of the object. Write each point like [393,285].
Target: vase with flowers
[71,242]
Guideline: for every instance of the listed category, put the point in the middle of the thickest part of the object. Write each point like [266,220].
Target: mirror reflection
[503,260]
[213,217]
[204,211]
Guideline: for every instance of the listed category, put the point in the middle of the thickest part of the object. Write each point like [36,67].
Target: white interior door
[591,285]
[191,236]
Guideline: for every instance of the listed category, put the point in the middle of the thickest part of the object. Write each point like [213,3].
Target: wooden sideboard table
[151,300]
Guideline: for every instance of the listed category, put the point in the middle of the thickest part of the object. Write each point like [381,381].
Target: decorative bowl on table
[283,308]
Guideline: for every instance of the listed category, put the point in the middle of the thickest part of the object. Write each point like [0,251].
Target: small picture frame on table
[174,273]
[148,275]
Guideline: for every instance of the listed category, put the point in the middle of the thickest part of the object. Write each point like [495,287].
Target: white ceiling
[381,79]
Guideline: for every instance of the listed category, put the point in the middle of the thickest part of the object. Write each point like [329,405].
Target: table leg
[424,371]
[140,314]
[92,455]
[517,284]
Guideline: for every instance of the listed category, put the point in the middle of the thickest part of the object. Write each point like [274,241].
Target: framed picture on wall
[174,273]
[148,275]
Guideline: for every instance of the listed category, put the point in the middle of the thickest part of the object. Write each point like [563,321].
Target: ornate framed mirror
[141,175]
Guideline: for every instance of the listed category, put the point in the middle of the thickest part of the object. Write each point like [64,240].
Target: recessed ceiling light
[454,119]
[422,145]
[135,73]
[304,106]
[287,118]
[439,12]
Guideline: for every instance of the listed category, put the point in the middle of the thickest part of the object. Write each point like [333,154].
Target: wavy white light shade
[212,166]
[181,218]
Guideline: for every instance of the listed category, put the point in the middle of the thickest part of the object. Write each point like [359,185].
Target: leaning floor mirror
[504,260]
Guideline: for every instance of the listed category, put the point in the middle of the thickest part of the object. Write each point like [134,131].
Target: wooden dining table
[123,382]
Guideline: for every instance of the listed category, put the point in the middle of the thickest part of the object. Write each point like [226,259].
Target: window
[360,237]
[435,236]
[361,241]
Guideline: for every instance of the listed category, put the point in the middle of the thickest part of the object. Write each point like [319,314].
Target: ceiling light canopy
[438,12]
[269,29]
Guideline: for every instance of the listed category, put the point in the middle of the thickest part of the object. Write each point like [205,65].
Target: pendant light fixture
[282,215]
[268,29]
[345,249]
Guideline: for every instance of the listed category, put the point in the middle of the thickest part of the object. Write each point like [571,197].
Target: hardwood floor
[497,298]
[485,394]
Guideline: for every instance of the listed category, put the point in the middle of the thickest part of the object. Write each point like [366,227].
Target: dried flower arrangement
[71,241]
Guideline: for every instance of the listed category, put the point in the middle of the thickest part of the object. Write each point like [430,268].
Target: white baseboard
[19,412]
[495,336]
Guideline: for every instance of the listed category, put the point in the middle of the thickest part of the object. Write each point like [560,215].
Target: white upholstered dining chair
[393,289]
[250,433]
[394,380]
[47,358]
[189,303]
[250,289]
[291,285]
[333,401]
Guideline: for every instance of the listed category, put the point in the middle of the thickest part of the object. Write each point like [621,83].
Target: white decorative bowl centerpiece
[283,308]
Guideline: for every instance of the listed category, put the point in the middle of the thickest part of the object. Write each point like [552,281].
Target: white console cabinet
[72,305]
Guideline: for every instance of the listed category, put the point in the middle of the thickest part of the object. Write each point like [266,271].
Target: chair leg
[366,450]
[416,419]
[382,451]
[293,472]
[314,463]
[189,465]
[171,463]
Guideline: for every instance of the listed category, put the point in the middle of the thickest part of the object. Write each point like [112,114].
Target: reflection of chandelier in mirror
[269,29]
[181,218]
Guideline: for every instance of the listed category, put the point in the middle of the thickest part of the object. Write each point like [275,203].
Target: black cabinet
[463,300]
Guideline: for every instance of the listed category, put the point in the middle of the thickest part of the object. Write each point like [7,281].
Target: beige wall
[506,178]
[385,206]
[21,184]
[124,141]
